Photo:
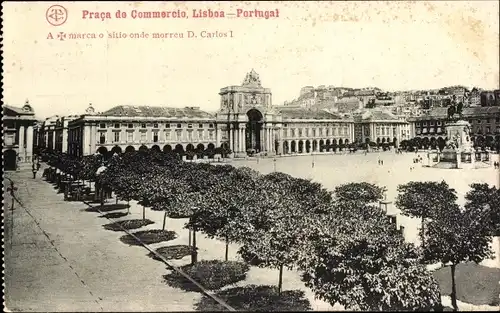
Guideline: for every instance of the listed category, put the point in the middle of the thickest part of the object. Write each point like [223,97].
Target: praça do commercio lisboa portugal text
[196,13]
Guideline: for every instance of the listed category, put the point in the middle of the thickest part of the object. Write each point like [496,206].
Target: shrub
[212,274]
[107,207]
[114,215]
[149,237]
[175,252]
[257,298]
[127,224]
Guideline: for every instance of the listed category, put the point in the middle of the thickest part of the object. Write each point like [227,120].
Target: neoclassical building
[381,127]
[246,122]
[18,135]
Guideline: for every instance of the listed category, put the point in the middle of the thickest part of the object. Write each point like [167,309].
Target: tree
[456,237]
[364,193]
[486,201]
[166,192]
[275,241]
[425,200]
[278,222]
[228,206]
[364,264]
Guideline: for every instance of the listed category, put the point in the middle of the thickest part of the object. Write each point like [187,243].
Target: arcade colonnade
[263,141]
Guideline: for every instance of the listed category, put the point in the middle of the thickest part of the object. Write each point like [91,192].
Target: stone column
[243,139]
[262,138]
[93,138]
[273,146]
[236,139]
[269,146]
[218,134]
[271,140]
[22,151]
[65,140]
[86,140]
[230,128]
[29,143]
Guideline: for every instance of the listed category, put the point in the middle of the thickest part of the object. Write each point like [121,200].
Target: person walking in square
[34,170]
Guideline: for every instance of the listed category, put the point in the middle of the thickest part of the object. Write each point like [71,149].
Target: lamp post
[11,190]
[274,164]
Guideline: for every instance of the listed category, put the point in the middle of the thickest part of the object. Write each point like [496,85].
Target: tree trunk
[227,248]
[194,252]
[422,236]
[143,213]
[102,197]
[116,199]
[280,280]
[164,220]
[189,238]
[453,289]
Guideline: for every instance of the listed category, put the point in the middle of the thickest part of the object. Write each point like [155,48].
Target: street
[59,258]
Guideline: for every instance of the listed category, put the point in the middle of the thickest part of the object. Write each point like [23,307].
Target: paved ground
[68,262]
[59,258]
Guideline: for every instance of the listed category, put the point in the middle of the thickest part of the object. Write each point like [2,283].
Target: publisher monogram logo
[56,15]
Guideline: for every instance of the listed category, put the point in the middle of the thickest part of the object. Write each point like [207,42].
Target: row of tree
[341,241]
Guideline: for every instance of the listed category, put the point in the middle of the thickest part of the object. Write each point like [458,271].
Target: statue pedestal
[459,152]
[458,133]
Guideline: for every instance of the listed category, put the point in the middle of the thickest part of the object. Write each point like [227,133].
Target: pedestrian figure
[34,169]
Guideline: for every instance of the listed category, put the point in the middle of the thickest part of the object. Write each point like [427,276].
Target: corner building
[18,130]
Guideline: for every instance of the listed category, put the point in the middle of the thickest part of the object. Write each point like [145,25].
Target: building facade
[18,135]
[130,128]
[429,129]
[380,126]
[247,122]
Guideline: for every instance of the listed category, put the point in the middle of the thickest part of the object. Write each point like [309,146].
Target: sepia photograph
[185,156]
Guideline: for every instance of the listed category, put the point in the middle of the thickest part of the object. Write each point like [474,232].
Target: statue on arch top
[252,79]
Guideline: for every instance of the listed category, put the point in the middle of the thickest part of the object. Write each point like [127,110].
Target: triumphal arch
[246,118]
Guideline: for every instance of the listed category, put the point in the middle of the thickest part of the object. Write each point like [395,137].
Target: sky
[390,45]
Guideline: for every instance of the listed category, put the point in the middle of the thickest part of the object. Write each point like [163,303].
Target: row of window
[430,123]
[285,125]
[478,130]
[179,136]
[438,123]
[385,131]
[306,132]
[487,121]
[430,131]
[155,125]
